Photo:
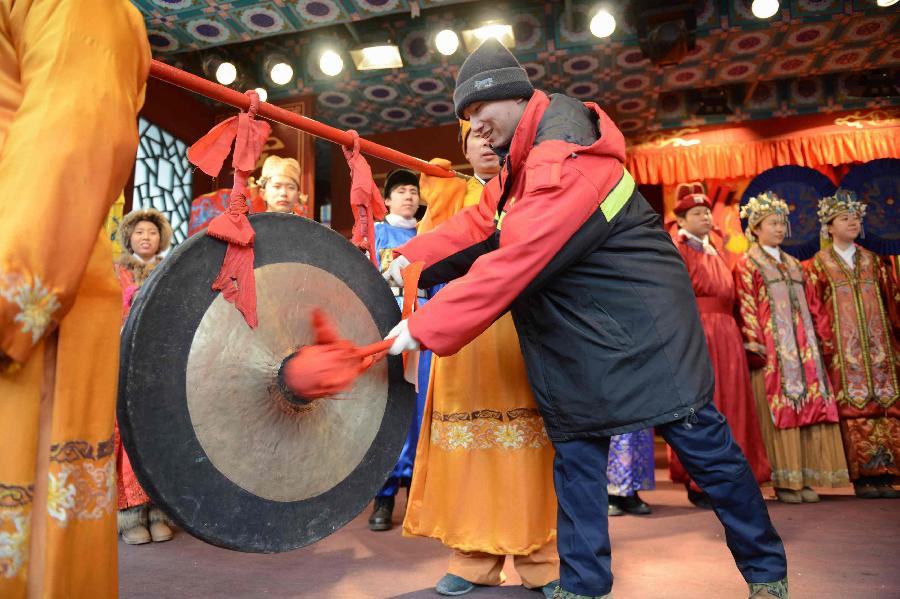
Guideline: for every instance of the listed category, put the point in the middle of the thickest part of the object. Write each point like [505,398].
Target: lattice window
[163,177]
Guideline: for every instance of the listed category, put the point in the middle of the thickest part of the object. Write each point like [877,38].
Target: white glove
[392,274]
[404,341]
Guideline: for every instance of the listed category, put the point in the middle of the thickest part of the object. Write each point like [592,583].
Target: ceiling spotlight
[383,56]
[279,70]
[873,84]
[447,42]
[603,24]
[763,9]
[262,93]
[226,73]
[886,3]
[503,33]
[667,31]
[331,63]
[215,66]
[712,102]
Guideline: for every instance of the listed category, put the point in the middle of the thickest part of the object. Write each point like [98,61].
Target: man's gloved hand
[404,341]
[392,274]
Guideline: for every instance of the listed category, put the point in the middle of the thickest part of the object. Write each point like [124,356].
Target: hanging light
[763,9]
[446,42]
[331,63]
[226,73]
[603,24]
[502,32]
[218,68]
[279,70]
[886,3]
[262,93]
[381,56]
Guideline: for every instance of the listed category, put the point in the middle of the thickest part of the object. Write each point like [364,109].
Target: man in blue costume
[401,196]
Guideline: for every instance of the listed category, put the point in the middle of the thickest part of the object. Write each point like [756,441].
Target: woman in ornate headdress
[144,236]
[797,412]
[856,309]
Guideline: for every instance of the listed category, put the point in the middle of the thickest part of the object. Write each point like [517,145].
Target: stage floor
[841,547]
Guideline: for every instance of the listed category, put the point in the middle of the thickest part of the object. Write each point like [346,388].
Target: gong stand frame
[204,87]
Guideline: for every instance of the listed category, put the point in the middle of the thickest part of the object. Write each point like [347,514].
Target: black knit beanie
[491,72]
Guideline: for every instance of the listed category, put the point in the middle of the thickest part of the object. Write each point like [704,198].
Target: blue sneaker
[452,585]
[549,589]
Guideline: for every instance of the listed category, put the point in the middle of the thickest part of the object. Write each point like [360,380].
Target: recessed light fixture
[331,63]
[381,56]
[473,38]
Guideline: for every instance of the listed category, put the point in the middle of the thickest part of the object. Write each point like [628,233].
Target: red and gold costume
[796,407]
[856,309]
[715,290]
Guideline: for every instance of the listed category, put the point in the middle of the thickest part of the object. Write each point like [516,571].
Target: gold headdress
[761,206]
[830,207]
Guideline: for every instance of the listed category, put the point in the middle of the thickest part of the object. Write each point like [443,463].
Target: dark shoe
[886,488]
[614,508]
[549,588]
[561,594]
[453,585]
[633,504]
[769,590]
[698,498]
[866,489]
[382,515]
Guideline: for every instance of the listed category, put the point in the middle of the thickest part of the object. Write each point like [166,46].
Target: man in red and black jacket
[604,308]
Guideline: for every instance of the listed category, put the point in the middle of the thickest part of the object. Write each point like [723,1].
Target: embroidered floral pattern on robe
[489,429]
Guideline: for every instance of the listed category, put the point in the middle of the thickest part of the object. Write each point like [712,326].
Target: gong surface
[206,425]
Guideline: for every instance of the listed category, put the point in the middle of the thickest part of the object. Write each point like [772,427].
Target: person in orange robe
[714,287]
[856,307]
[796,408]
[483,477]
[143,235]
[72,80]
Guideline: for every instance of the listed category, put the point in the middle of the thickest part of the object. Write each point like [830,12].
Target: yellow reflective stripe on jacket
[613,203]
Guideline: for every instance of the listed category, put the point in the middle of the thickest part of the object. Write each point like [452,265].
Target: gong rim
[154,417]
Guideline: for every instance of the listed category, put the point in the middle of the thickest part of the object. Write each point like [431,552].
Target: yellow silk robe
[72,79]
[483,478]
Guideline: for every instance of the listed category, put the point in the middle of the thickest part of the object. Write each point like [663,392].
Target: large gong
[214,437]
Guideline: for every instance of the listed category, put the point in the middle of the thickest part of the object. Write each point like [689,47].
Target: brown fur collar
[139,270]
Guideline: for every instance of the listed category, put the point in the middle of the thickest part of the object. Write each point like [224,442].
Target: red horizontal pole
[204,87]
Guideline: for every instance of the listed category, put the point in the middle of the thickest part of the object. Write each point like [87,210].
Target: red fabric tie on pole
[365,199]
[236,280]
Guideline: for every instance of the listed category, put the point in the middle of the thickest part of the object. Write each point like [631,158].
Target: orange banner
[745,150]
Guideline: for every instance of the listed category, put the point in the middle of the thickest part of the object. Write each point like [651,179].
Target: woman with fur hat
[795,404]
[144,235]
[856,308]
